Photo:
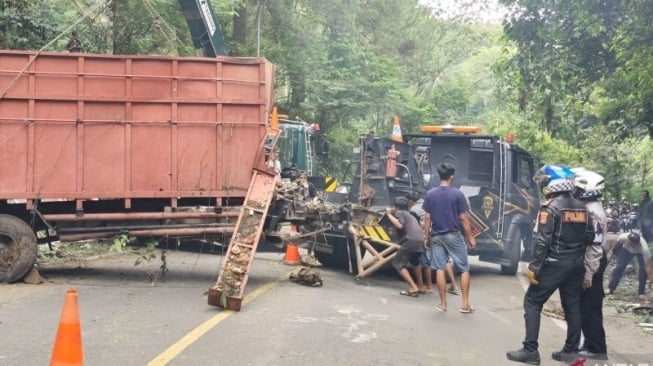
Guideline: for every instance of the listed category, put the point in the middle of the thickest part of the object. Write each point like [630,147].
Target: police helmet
[589,185]
[554,178]
[633,237]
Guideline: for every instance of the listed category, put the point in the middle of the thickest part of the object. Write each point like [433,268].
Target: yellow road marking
[190,338]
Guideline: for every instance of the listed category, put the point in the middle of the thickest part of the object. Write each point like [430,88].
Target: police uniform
[563,233]
[591,299]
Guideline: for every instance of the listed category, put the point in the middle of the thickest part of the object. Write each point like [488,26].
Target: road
[127,319]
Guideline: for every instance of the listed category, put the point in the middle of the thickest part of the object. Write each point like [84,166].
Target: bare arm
[395,221]
[427,228]
[612,245]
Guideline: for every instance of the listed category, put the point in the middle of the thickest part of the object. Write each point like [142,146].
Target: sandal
[453,291]
[408,293]
[468,310]
[439,307]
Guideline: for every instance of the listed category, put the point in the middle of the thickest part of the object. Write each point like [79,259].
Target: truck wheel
[513,254]
[330,260]
[18,248]
[339,258]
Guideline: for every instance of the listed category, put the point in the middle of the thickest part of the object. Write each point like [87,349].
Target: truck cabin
[302,147]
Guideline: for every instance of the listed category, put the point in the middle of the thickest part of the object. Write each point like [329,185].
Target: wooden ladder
[228,291]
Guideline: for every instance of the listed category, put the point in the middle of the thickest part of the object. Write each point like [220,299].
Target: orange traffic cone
[292,255]
[68,343]
[396,130]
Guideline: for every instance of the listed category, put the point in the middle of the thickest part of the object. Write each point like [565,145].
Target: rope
[157,17]
[4,92]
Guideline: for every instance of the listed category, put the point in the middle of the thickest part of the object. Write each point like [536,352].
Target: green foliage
[343,142]
[148,253]
[27,24]
[571,80]
[119,243]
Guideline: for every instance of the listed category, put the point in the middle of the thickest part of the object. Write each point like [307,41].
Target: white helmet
[589,185]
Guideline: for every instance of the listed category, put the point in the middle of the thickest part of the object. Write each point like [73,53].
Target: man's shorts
[425,258]
[405,259]
[449,245]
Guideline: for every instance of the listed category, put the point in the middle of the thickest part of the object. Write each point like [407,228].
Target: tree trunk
[548,117]
[239,33]
[111,40]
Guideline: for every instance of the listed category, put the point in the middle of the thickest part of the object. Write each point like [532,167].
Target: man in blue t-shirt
[447,224]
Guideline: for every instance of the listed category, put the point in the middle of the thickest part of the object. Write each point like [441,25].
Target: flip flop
[439,307]
[408,293]
[468,310]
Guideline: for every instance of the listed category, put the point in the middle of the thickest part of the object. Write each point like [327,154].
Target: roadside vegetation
[570,80]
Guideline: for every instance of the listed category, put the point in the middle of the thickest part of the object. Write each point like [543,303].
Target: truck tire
[340,258]
[513,254]
[18,248]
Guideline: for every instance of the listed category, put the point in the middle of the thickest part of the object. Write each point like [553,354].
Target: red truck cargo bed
[83,126]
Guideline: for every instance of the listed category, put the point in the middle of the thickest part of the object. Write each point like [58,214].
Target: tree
[26,24]
[563,48]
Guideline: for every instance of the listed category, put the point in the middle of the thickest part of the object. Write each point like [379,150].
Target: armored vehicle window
[481,166]
[481,144]
[481,160]
[523,172]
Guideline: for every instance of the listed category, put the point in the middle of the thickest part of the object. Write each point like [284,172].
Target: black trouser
[591,309]
[567,277]
[623,259]
[647,232]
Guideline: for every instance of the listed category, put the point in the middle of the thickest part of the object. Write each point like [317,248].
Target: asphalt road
[128,319]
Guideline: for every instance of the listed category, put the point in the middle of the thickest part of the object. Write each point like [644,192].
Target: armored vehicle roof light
[451,129]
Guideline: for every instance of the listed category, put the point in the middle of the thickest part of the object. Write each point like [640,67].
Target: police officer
[589,189]
[563,233]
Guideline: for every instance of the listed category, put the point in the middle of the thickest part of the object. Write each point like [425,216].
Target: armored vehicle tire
[513,254]
[340,259]
[18,248]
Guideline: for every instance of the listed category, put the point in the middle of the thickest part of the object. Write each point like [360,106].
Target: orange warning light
[510,137]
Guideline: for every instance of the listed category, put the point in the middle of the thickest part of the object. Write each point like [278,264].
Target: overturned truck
[494,174]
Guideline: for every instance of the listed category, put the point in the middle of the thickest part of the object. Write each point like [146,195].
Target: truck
[150,146]
[494,173]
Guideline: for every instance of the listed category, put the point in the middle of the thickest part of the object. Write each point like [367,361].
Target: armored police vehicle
[494,174]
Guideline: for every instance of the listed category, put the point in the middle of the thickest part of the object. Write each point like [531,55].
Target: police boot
[592,355]
[525,356]
[564,356]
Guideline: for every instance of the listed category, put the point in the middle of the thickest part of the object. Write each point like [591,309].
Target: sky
[493,13]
